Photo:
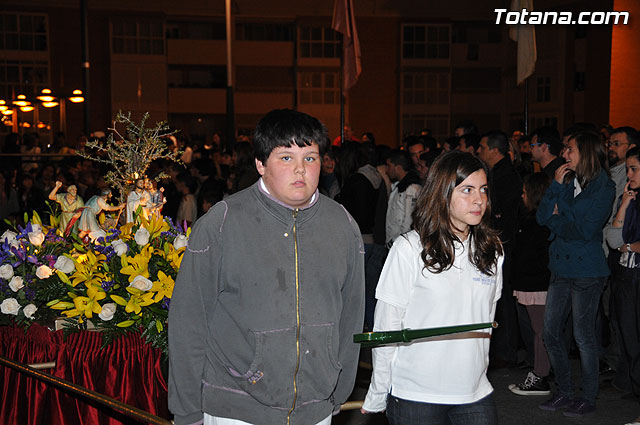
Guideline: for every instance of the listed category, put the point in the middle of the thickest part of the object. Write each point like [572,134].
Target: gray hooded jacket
[264,310]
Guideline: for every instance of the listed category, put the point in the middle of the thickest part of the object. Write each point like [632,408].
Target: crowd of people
[540,231]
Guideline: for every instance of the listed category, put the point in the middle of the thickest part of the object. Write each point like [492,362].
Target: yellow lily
[155,225]
[138,300]
[163,287]
[87,269]
[87,305]
[172,255]
[138,265]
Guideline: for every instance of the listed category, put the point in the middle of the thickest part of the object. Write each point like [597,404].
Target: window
[425,88]
[543,89]
[319,88]
[23,31]
[319,42]
[545,121]
[413,123]
[197,30]
[22,77]
[425,41]
[264,32]
[137,37]
[209,77]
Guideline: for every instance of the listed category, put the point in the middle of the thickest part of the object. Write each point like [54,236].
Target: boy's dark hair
[283,127]
[401,158]
[497,139]
[549,136]
[535,184]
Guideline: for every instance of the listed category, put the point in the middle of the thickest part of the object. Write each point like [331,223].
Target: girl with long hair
[623,234]
[446,271]
[575,208]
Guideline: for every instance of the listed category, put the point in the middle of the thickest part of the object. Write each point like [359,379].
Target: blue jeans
[580,297]
[406,412]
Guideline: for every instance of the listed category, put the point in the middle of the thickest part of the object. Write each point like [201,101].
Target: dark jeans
[504,339]
[580,297]
[374,256]
[626,300]
[406,412]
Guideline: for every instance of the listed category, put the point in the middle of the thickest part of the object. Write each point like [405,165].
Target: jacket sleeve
[351,320]
[548,202]
[194,293]
[587,219]
[410,202]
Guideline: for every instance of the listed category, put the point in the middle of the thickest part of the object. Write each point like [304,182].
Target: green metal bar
[374,339]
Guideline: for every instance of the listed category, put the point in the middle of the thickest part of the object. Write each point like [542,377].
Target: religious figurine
[72,206]
[93,207]
[138,197]
[157,197]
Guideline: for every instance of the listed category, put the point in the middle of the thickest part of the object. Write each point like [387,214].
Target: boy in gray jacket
[269,294]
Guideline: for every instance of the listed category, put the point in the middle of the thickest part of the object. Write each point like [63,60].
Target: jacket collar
[281,210]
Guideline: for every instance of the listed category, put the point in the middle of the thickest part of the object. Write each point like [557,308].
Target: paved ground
[518,410]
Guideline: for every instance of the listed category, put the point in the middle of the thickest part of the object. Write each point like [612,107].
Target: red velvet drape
[128,370]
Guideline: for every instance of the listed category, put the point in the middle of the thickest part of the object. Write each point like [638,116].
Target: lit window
[22,77]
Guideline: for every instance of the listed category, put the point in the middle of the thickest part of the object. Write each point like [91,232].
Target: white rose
[16,283]
[180,241]
[36,228]
[10,306]
[108,310]
[142,283]
[43,272]
[9,237]
[142,236]
[97,235]
[119,247]
[36,238]
[28,311]
[65,265]
[6,271]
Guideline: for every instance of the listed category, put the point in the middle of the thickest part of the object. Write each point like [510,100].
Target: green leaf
[125,324]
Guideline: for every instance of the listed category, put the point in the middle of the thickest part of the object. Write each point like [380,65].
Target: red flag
[344,22]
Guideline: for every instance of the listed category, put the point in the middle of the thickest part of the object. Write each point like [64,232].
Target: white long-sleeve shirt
[446,370]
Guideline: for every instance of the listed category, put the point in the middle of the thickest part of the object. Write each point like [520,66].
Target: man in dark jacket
[269,294]
[506,189]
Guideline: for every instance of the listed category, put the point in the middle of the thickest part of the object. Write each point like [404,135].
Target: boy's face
[291,173]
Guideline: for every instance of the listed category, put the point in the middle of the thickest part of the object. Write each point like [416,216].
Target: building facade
[425,65]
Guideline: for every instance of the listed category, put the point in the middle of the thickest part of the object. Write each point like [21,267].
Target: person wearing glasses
[622,139]
[545,149]
[575,208]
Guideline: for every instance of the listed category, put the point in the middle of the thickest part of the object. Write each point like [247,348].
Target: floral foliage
[120,282]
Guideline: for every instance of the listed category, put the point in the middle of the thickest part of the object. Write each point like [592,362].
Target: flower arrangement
[122,281]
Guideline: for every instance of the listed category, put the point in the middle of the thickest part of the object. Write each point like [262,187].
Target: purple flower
[107,285]
[32,259]
[165,303]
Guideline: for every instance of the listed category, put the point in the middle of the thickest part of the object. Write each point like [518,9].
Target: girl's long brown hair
[593,158]
[431,217]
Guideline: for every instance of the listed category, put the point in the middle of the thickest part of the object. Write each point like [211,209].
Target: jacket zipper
[295,373]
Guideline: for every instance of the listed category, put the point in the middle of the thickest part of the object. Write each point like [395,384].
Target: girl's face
[633,172]
[468,203]
[571,154]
